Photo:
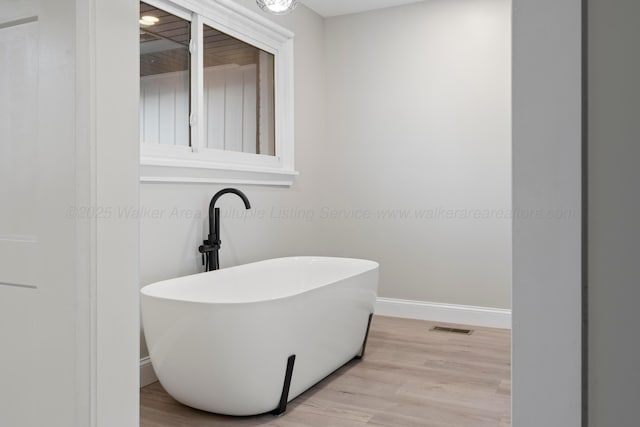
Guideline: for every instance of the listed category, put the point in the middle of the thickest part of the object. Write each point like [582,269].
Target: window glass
[164,77]
[238,95]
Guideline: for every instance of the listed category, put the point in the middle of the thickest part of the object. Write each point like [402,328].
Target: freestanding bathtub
[246,340]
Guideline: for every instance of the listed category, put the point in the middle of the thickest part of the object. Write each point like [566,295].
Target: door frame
[108,180]
[548,171]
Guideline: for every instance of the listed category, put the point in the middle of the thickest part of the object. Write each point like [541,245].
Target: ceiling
[329,8]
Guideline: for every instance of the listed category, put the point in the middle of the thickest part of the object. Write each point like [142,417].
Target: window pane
[238,95]
[164,77]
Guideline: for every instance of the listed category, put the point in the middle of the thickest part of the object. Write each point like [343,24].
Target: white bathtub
[221,341]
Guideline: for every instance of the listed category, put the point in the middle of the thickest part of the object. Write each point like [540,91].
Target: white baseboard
[147,374]
[446,313]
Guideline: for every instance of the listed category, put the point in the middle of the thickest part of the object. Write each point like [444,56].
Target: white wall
[614,152]
[426,127]
[229,95]
[164,108]
[39,383]
[419,120]
[547,248]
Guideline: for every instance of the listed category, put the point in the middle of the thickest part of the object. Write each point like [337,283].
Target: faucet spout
[214,200]
[210,248]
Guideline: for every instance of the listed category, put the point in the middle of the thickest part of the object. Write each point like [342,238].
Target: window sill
[171,170]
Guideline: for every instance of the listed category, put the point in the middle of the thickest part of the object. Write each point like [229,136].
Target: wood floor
[410,376]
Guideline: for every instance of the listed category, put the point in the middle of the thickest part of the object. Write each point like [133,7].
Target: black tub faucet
[210,248]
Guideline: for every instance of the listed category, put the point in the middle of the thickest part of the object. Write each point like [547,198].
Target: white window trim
[199,164]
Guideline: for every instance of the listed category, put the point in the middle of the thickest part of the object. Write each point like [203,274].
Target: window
[215,94]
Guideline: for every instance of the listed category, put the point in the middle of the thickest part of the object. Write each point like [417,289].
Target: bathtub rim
[144,291]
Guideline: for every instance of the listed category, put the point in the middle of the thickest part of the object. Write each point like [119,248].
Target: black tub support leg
[284,397]
[366,336]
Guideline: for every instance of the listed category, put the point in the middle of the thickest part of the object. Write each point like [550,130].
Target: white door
[38,315]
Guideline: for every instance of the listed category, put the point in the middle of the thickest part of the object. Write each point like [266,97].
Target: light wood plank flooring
[410,376]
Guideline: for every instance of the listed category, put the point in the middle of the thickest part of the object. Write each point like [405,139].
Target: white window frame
[198,163]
